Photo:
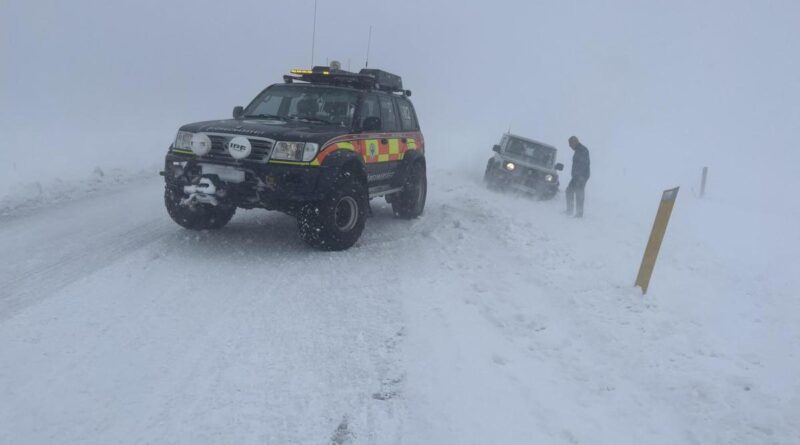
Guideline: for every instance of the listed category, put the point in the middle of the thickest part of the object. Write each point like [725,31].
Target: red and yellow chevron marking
[327,150]
[370,148]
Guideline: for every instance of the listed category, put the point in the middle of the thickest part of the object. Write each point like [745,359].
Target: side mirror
[372,123]
[237,111]
[496,148]
[559,166]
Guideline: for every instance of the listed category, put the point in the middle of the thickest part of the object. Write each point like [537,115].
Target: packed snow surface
[492,319]
[17,196]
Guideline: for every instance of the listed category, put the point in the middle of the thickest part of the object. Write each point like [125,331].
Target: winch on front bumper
[205,192]
[246,185]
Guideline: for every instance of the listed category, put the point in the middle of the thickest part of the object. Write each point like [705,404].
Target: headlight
[294,151]
[183,141]
[510,166]
[548,178]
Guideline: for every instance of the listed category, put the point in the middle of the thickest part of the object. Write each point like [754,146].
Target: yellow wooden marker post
[703,182]
[656,236]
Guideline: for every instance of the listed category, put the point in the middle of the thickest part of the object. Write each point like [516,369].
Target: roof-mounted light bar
[306,72]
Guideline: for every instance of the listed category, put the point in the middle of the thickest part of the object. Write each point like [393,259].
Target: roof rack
[365,79]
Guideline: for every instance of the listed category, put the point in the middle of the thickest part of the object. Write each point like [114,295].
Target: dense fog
[657,90]
[459,312]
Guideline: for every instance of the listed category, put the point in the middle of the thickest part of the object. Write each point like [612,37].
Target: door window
[369,108]
[407,118]
[388,114]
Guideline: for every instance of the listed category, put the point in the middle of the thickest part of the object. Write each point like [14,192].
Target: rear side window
[369,108]
[407,118]
[388,115]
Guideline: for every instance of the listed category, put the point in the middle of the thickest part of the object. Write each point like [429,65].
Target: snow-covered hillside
[491,319]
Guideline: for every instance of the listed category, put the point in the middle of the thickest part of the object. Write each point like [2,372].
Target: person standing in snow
[580,174]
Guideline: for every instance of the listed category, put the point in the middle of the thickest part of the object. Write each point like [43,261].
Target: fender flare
[335,163]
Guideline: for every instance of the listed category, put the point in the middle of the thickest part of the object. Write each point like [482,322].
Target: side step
[383,191]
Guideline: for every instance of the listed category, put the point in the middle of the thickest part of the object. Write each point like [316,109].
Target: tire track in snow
[36,283]
[50,249]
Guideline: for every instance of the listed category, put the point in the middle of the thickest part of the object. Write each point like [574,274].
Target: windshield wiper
[265,116]
[313,119]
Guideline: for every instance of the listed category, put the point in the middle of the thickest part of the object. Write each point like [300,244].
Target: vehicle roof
[316,85]
[338,87]
[533,141]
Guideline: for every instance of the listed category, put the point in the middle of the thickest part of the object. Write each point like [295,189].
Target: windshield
[535,153]
[308,103]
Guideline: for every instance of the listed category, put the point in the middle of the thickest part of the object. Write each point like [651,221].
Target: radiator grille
[219,148]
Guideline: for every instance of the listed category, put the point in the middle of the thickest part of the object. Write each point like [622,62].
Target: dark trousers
[575,192]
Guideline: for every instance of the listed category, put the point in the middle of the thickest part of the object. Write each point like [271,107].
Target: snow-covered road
[491,319]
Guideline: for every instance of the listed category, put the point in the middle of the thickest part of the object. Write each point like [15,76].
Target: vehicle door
[369,145]
[380,147]
[411,138]
[390,153]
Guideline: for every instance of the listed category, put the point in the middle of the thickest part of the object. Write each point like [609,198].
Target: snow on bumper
[205,192]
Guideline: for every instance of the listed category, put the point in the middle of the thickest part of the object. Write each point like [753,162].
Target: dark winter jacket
[580,162]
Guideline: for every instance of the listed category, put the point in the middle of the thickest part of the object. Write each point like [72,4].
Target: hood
[298,131]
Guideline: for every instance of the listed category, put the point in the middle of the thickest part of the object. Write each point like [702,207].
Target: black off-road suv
[524,165]
[318,146]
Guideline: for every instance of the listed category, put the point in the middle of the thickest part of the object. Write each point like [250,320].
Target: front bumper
[270,186]
[526,182]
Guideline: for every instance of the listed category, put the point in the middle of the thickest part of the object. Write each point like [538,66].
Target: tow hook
[204,192]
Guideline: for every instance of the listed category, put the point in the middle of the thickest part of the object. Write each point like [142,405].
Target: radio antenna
[314,33]
[369,42]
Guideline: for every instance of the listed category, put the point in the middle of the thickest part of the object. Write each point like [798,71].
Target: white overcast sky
[662,87]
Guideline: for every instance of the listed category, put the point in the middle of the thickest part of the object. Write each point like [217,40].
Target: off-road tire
[336,222]
[410,202]
[197,217]
[490,176]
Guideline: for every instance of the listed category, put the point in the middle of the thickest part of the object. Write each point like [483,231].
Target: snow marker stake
[703,182]
[656,237]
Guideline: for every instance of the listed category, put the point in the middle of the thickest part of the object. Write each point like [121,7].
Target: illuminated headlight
[183,141]
[510,166]
[549,178]
[294,151]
